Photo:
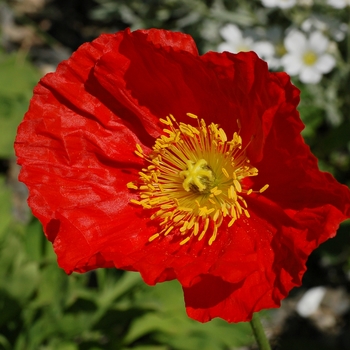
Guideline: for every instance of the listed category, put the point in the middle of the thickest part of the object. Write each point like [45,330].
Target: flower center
[309,58]
[194,181]
[198,176]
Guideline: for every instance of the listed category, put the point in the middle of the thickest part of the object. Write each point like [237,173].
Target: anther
[193,180]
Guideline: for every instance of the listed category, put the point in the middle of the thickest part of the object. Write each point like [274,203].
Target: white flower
[235,42]
[266,51]
[310,301]
[313,23]
[335,28]
[283,4]
[307,57]
[338,4]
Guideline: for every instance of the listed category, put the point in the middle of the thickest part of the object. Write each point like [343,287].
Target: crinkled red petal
[159,82]
[76,147]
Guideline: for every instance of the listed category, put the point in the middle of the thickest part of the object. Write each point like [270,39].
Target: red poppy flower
[142,155]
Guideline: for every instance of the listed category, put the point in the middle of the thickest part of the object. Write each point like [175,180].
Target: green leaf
[148,347]
[34,240]
[18,77]
[67,346]
[9,307]
[4,343]
[169,324]
[23,281]
[52,287]
[5,212]
[113,290]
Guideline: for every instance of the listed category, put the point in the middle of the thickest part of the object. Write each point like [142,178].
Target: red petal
[77,155]
[235,302]
[155,81]
[76,147]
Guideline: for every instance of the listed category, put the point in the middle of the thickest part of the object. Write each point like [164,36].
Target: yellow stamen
[206,225]
[264,188]
[194,181]
[225,172]
[185,240]
[191,115]
[168,230]
[139,154]
[213,237]
[237,185]
[152,238]
[139,148]
[131,185]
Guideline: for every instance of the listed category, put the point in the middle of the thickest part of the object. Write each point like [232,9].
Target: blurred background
[41,307]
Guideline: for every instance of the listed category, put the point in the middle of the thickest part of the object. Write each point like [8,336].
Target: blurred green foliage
[18,77]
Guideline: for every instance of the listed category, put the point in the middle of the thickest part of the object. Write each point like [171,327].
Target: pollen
[194,180]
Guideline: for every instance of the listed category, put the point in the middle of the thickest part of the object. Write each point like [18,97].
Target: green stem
[259,333]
